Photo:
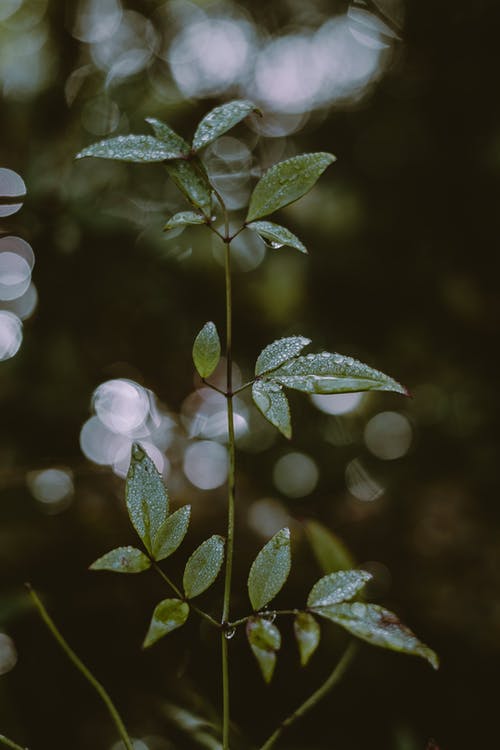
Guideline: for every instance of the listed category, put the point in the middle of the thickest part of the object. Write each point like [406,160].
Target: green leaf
[308,634]
[337,587]
[279,352]
[123,560]
[191,179]
[146,496]
[286,182]
[333,373]
[184,218]
[379,627]
[168,615]
[270,570]
[136,148]
[220,120]
[169,137]
[171,533]
[265,641]
[277,235]
[330,552]
[203,566]
[271,400]
[206,350]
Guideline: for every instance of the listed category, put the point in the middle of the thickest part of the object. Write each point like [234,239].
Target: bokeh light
[295,475]
[267,516]
[206,464]
[337,403]
[11,186]
[388,435]
[11,334]
[53,488]
[361,483]
[8,654]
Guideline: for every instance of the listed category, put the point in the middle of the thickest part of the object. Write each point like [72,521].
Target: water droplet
[276,245]
[228,634]
[268,616]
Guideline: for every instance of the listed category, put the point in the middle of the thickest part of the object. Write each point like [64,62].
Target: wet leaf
[169,137]
[279,352]
[184,218]
[270,570]
[191,179]
[378,626]
[337,587]
[171,533]
[146,496]
[276,235]
[206,350]
[271,400]
[308,634]
[285,182]
[136,148]
[168,615]
[123,560]
[203,566]
[330,552]
[265,641]
[220,120]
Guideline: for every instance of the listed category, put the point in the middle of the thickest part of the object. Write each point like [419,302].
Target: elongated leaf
[279,352]
[191,179]
[330,552]
[265,641]
[203,566]
[333,373]
[146,496]
[206,350]
[277,235]
[123,560]
[308,634]
[271,400]
[184,218]
[379,627]
[220,120]
[286,182]
[137,148]
[171,533]
[270,570]
[168,615]
[169,137]
[337,587]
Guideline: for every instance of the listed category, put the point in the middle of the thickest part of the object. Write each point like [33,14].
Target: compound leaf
[184,218]
[203,566]
[169,137]
[279,352]
[276,235]
[136,148]
[265,641]
[270,570]
[146,496]
[206,350]
[171,533]
[123,560]
[220,120]
[191,179]
[337,587]
[168,615]
[271,400]
[308,634]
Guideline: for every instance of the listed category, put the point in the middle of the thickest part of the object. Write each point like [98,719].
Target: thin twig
[10,743]
[179,593]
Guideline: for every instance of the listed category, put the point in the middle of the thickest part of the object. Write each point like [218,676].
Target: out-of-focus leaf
[270,570]
[279,352]
[330,552]
[271,400]
[169,137]
[308,634]
[277,235]
[123,560]
[337,587]
[220,120]
[265,641]
[378,626]
[203,566]
[168,615]
[285,182]
[206,350]
[146,496]
[191,179]
[171,533]
[136,148]
[182,219]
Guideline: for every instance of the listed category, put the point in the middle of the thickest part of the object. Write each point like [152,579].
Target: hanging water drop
[276,245]
[229,633]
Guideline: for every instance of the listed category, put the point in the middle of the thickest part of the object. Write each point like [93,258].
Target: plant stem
[267,613]
[120,726]
[11,743]
[179,593]
[320,693]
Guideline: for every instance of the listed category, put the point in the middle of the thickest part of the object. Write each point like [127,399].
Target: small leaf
[136,148]
[168,615]
[191,179]
[146,496]
[285,182]
[184,218]
[279,352]
[333,373]
[220,120]
[265,641]
[123,560]
[308,634]
[171,533]
[337,587]
[330,552]
[379,627]
[277,235]
[206,350]
[169,137]
[203,566]
[271,400]
[270,570]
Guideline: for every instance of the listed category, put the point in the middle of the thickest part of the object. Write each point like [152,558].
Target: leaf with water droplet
[168,615]
[183,218]
[337,587]
[203,566]
[265,641]
[206,350]
[279,352]
[272,402]
[169,137]
[135,148]
[171,533]
[220,120]
[123,560]
[270,570]
[191,178]
[146,496]
[277,235]
[378,626]
[329,550]
[307,634]
[285,182]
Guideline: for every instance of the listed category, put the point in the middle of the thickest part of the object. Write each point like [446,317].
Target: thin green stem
[113,712]
[320,693]
[10,743]
[179,593]
[213,387]
[268,613]
[243,387]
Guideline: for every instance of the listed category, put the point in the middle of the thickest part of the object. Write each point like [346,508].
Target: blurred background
[99,308]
